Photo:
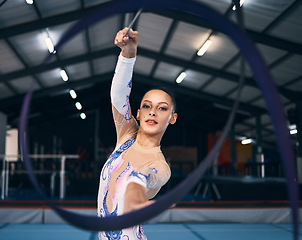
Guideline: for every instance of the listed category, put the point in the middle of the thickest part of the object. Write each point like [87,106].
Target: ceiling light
[29,1]
[181,77]
[246,141]
[78,105]
[73,94]
[64,75]
[83,115]
[293,131]
[50,45]
[204,48]
[241,2]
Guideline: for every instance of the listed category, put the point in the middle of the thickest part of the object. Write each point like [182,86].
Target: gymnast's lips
[151,122]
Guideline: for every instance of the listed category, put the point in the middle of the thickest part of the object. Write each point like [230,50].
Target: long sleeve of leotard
[121,84]
[120,92]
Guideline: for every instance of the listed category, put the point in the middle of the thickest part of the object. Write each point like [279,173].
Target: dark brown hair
[168,91]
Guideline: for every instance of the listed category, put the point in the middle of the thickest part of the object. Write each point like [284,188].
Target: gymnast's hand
[135,198]
[128,43]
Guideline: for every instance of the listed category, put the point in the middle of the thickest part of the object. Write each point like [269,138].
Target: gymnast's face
[156,112]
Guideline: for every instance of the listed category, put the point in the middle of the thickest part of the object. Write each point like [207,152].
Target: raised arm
[122,79]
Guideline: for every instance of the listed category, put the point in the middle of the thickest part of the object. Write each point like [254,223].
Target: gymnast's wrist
[129,53]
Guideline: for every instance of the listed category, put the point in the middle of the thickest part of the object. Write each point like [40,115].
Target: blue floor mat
[154,232]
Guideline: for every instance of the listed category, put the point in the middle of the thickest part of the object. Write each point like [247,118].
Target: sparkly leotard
[129,162]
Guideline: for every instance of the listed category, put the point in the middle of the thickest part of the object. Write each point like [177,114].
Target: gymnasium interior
[70,133]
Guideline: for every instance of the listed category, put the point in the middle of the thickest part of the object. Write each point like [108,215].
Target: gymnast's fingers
[123,38]
[119,38]
[132,36]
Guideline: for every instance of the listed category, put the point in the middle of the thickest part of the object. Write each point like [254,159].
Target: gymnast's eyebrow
[157,103]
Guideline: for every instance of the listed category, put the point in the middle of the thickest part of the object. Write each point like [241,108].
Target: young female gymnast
[137,169]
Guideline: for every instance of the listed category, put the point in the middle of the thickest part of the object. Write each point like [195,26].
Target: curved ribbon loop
[261,74]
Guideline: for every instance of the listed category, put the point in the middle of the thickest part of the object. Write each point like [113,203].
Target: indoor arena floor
[155,232]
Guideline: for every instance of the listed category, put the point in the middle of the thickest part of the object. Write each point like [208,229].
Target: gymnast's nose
[152,113]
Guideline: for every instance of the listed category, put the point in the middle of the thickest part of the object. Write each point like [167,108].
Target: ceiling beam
[165,45]
[262,38]
[114,51]
[282,17]
[197,94]
[11,101]
[59,64]
[20,58]
[141,51]
[46,22]
[180,16]
[138,77]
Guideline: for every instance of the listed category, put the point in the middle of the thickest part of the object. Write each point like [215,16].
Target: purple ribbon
[265,82]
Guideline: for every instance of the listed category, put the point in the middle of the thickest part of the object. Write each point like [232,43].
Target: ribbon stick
[133,21]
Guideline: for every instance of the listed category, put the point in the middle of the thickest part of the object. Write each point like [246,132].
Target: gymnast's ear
[137,115]
[173,118]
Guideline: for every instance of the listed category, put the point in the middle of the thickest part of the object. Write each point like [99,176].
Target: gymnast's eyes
[145,106]
[163,108]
